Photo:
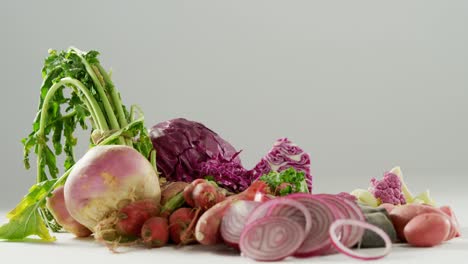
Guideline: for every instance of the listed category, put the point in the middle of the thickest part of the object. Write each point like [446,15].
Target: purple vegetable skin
[229,174]
[183,145]
[282,156]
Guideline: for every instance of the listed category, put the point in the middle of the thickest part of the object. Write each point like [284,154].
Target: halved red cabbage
[282,156]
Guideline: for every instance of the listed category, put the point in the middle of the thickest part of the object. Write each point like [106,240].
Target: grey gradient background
[361,85]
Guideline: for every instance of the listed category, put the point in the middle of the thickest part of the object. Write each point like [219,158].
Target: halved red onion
[271,238]
[316,241]
[283,207]
[333,230]
[234,220]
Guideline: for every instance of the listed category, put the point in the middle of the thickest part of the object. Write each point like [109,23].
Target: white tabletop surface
[68,249]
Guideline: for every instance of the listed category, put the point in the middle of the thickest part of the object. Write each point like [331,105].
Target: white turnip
[106,179]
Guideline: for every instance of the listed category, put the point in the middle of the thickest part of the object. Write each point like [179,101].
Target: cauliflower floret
[388,190]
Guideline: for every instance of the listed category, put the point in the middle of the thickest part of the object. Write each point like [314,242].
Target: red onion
[283,207]
[346,209]
[234,220]
[347,251]
[271,238]
[316,241]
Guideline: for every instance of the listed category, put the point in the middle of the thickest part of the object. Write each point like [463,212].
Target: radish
[188,191]
[155,232]
[56,205]
[181,225]
[205,195]
[132,217]
[104,180]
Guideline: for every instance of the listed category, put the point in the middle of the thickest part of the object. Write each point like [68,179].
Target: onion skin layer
[105,178]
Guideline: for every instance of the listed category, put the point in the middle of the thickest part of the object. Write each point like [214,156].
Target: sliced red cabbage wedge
[234,220]
[283,155]
[336,241]
[271,238]
[317,240]
[345,209]
[284,207]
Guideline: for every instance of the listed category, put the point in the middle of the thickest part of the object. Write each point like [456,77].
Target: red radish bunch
[132,217]
[182,225]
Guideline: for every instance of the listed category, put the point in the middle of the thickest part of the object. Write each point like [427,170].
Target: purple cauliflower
[388,190]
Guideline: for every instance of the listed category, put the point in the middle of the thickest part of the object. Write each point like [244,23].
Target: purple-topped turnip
[106,179]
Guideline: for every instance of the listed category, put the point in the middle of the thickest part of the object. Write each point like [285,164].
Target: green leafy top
[286,182]
[93,100]
[27,218]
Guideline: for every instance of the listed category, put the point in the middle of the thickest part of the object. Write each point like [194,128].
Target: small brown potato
[427,230]
[401,215]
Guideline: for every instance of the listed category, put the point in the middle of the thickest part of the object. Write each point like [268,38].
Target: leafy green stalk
[114,95]
[93,98]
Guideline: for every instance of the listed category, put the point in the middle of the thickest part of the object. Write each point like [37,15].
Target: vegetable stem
[102,94]
[175,202]
[91,102]
[114,96]
[94,106]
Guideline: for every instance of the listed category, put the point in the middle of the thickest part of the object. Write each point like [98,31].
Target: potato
[455,228]
[427,230]
[388,206]
[401,215]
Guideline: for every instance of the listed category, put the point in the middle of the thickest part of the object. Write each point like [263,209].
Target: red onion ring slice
[271,238]
[351,253]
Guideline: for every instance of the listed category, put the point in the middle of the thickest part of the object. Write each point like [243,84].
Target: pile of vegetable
[416,219]
[180,183]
